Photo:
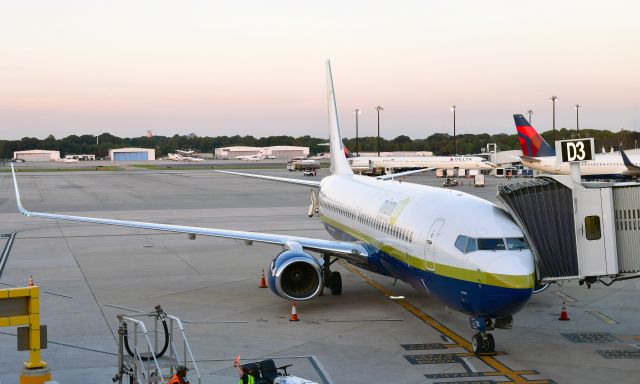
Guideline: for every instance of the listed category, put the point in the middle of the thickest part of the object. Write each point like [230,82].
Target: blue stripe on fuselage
[464,296]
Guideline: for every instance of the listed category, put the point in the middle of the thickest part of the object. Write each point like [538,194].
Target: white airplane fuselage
[605,165]
[413,228]
[369,164]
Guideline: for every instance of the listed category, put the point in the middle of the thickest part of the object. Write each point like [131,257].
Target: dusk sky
[257,67]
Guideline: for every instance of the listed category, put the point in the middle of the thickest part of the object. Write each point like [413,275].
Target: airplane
[251,157]
[462,250]
[371,165]
[539,155]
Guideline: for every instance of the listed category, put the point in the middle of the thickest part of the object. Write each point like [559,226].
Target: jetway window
[592,227]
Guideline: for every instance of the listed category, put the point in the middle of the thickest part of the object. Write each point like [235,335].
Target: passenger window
[592,227]
[471,245]
[461,243]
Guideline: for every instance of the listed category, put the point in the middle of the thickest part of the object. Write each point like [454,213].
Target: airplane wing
[308,183]
[400,174]
[348,250]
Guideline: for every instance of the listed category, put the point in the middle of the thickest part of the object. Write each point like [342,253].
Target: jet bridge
[589,231]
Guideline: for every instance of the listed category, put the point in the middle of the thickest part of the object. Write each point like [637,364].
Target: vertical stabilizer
[339,165]
[532,144]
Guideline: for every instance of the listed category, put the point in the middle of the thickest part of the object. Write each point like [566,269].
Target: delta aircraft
[539,155]
[391,164]
[464,251]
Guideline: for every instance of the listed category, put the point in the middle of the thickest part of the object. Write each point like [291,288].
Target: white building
[275,152]
[37,155]
[132,154]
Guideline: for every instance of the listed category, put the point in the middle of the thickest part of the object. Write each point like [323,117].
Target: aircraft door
[429,247]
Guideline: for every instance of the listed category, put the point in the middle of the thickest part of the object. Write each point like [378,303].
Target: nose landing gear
[482,341]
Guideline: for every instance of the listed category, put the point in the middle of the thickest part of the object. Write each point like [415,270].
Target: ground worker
[245,377]
[180,376]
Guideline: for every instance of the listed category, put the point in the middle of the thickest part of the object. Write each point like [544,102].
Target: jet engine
[296,275]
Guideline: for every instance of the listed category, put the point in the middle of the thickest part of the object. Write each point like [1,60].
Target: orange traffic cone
[30,281]
[564,316]
[263,281]
[294,314]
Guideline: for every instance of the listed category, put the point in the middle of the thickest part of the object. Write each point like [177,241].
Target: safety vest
[250,379]
[175,380]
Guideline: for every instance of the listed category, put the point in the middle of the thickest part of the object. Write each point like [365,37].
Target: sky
[257,67]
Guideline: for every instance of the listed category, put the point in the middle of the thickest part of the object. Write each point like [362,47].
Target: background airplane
[394,164]
[539,155]
[464,251]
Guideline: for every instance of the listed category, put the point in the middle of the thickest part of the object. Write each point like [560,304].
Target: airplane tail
[339,165]
[347,153]
[532,144]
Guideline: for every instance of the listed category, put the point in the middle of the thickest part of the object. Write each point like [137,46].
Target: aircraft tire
[336,283]
[477,343]
[490,345]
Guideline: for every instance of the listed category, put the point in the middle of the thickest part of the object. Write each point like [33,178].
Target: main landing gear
[482,341]
[332,280]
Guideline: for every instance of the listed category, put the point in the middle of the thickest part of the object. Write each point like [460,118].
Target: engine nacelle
[296,275]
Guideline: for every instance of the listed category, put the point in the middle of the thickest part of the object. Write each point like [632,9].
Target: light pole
[578,106]
[553,100]
[529,112]
[357,112]
[379,108]
[455,146]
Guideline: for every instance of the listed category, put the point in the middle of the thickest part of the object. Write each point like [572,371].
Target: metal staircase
[150,363]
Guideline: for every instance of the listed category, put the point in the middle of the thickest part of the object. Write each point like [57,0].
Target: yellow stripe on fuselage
[494,279]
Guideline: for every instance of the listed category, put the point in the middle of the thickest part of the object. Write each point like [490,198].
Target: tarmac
[369,334]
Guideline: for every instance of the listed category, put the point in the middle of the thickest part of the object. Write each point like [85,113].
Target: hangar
[275,152]
[132,154]
[37,155]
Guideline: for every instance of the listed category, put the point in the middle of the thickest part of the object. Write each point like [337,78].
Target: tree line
[438,143]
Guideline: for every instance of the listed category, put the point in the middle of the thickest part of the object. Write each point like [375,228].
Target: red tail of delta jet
[532,144]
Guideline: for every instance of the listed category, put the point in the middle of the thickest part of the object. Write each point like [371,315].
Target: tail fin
[339,165]
[532,144]
[348,154]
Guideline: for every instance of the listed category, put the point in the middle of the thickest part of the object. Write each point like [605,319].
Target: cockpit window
[471,245]
[491,245]
[516,243]
[461,243]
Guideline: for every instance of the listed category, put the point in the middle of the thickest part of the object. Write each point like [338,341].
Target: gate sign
[575,150]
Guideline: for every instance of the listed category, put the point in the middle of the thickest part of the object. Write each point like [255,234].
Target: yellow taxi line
[502,370]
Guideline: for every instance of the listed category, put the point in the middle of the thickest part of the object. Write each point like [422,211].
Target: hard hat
[181,370]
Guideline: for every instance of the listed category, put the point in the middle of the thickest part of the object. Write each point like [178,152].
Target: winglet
[18,200]
[339,165]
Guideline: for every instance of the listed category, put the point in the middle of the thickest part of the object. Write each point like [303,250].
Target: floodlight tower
[553,101]
[578,106]
[379,108]
[357,112]
[455,146]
